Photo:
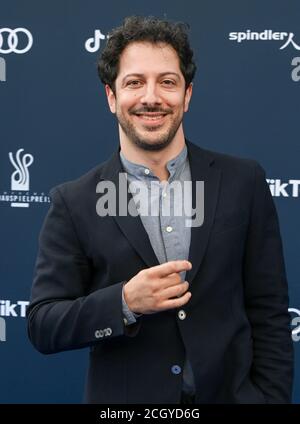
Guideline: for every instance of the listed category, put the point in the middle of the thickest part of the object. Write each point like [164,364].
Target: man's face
[150,96]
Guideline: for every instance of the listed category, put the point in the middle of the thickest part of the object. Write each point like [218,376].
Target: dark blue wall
[52,105]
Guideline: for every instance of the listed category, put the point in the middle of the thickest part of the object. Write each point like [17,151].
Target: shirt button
[176,369]
[164,194]
[147,171]
[169,229]
[181,314]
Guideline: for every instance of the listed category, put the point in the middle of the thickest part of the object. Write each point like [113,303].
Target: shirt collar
[174,166]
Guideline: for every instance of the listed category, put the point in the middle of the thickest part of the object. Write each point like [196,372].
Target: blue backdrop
[55,125]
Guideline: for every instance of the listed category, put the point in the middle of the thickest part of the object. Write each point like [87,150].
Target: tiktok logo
[92,45]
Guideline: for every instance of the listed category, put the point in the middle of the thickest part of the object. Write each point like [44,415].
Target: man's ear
[187,97]
[111,98]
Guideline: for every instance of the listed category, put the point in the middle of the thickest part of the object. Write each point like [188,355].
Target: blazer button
[99,334]
[176,369]
[181,314]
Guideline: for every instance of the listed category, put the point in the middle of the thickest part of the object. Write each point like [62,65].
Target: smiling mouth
[151,117]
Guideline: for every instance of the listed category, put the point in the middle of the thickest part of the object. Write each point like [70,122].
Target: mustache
[149,109]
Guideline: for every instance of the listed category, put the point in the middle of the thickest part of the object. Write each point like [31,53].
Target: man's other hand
[158,288]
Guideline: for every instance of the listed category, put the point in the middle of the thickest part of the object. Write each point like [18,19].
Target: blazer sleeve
[61,315]
[266,298]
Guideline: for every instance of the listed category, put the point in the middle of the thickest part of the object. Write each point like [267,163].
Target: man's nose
[151,94]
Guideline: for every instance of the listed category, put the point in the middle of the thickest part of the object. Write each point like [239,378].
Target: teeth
[151,118]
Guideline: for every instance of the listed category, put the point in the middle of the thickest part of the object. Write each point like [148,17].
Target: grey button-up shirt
[168,233]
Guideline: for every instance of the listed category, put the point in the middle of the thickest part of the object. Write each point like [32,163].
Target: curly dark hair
[153,30]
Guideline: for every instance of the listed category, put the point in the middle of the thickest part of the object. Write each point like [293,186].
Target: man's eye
[134,83]
[168,82]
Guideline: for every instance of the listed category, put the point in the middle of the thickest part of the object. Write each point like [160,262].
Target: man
[173,312]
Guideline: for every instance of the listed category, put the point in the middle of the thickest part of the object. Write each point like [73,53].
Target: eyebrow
[141,75]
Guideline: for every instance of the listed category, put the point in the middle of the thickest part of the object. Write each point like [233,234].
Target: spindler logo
[266,35]
[20,196]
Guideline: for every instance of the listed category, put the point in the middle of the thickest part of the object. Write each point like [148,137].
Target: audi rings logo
[17,40]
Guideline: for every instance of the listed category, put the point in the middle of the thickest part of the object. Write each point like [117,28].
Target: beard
[149,143]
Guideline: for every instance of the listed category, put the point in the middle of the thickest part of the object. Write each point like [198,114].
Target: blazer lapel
[201,170]
[131,226]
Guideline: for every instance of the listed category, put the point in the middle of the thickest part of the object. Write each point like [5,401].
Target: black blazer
[236,331]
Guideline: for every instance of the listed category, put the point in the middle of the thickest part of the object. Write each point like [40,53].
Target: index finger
[167,268]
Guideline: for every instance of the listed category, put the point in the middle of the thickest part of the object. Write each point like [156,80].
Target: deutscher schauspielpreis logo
[20,195]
